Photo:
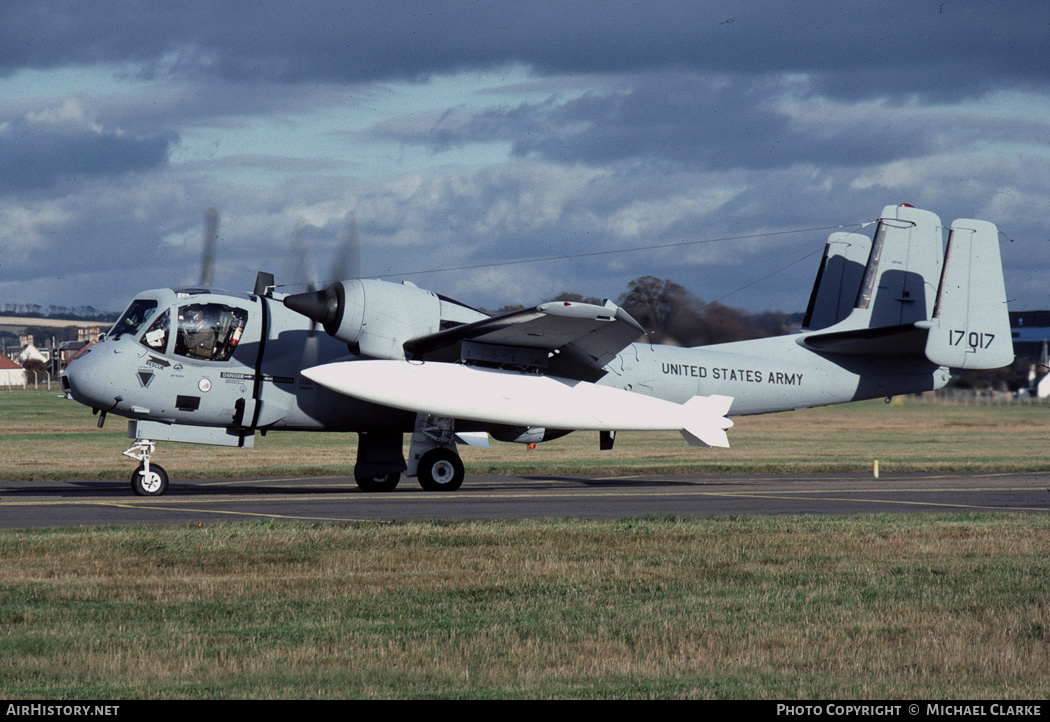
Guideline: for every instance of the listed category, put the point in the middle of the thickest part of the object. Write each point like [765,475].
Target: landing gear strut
[432,455]
[149,479]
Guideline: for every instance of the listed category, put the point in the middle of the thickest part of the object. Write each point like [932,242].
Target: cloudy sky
[713,143]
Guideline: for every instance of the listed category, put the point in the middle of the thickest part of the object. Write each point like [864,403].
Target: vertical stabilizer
[900,281]
[838,280]
[898,286]
[970,328]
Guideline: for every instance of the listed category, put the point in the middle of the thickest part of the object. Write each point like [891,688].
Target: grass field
[877,607]
[43,436]
[867,607]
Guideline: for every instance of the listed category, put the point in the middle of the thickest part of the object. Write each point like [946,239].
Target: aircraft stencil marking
[974,339]
[751,376]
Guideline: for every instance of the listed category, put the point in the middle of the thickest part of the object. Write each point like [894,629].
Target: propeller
[211,235]
[298,269]
[348,256]
[346,266]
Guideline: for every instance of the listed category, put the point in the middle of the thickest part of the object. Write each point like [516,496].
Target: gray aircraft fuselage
[260,386]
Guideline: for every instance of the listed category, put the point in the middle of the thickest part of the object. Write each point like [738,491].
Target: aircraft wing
[568,339]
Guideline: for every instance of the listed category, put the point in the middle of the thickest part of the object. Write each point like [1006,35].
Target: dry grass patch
[879,607]
[45,437]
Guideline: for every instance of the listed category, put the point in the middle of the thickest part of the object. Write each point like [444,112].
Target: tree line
[72,313]
[673,315]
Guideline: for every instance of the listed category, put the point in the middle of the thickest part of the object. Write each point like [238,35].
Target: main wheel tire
[440,470]
[153,485]
[382,482]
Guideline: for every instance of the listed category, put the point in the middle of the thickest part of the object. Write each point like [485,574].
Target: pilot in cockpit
[196,334]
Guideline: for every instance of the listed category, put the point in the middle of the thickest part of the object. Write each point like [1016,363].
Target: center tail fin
[900,280]
[896,290]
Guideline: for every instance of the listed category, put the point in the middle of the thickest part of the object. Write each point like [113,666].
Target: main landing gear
[433,458]
[149,479]
[440,470]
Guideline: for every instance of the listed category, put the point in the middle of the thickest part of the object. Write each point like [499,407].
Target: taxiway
[337,499]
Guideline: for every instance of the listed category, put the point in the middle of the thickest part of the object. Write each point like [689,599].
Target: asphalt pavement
[27,504]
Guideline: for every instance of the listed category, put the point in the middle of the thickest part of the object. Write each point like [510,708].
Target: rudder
[970,328]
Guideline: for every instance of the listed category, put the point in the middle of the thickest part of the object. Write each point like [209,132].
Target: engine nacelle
[378,316]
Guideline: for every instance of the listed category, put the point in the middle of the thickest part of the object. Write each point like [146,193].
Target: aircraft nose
[88,381]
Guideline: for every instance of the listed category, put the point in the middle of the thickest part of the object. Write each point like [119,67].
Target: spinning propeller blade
[348,259]
[211,235]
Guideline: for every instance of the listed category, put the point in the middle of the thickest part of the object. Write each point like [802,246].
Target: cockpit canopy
[193,327]
[131,321]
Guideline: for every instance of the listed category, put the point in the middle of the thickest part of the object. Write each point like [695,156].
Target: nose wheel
[149,479]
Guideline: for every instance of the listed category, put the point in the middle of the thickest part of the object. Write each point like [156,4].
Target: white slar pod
[516,398]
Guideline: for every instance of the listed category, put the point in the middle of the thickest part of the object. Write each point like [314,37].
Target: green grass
[43,436]
[882,607]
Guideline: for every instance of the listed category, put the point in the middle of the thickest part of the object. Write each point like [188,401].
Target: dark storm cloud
[685,119]
[894,48]
[703,122]
[662,121]
[37,156]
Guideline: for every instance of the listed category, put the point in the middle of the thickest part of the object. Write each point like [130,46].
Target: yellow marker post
[876,468]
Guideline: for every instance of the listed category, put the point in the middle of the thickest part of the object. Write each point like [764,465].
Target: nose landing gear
[149,479]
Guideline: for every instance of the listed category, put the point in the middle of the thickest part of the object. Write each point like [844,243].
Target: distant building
[90,333]
[1031,333]
[62,354]
[1031,337]
[11,374]
[31,353]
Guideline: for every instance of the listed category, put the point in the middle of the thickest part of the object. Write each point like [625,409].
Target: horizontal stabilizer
[906,339]
[970,328]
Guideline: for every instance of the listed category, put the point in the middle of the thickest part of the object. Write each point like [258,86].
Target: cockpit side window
[132,320]
[156,337]
[209,331]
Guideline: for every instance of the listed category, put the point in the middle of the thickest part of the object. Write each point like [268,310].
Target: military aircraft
[887,315]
